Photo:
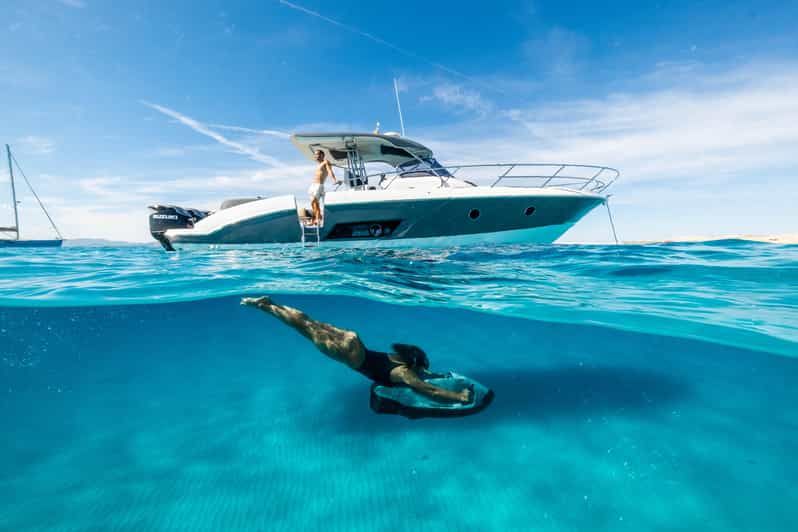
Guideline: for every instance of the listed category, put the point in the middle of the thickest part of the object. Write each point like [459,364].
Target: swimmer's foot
[259,302]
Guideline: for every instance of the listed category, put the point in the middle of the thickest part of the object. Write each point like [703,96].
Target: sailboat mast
[13,191]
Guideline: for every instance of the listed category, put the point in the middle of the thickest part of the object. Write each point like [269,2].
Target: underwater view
[636,388]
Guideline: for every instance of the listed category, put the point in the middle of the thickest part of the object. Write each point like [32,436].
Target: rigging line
[383,42]
[612,224]
[57,232]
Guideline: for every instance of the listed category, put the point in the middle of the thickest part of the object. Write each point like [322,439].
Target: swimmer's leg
[339,344]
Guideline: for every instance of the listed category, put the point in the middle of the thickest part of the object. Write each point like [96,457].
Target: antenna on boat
[399,106]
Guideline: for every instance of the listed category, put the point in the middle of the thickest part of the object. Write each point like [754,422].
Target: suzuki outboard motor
[166,217]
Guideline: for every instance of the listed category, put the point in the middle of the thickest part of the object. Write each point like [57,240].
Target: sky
[113,106]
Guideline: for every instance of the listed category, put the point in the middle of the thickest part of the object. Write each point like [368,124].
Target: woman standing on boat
[402,367]
[316,190]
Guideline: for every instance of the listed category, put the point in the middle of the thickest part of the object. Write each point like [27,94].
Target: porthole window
[529,211]
[375,230]
[473,214]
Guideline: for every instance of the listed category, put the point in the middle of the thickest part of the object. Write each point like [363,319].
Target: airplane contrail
[378,40]
[203,129]
[240,129]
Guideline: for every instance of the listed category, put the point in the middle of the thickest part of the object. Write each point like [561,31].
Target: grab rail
[598,179]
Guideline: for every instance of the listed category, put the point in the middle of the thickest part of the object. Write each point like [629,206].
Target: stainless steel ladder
[310,233]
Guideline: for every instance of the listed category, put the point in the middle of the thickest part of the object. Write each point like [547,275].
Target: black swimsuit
[378,366]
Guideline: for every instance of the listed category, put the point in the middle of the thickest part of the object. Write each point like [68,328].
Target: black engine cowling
[165,217]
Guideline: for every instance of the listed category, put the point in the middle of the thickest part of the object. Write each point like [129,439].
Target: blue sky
[110,106]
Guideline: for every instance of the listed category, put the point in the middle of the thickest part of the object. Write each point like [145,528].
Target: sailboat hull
[31,243]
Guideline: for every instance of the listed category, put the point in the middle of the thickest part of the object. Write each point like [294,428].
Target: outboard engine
[165,217]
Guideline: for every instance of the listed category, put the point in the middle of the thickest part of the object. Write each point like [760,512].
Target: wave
[735,292]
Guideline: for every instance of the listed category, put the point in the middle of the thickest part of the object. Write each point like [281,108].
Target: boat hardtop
[370,147]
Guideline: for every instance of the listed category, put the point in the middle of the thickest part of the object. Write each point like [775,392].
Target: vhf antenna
[399,106]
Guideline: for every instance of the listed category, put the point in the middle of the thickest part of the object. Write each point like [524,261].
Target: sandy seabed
[211,416]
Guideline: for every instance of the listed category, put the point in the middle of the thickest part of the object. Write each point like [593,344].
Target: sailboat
[16,241]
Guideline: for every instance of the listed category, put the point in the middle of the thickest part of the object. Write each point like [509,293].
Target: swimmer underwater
[402,367]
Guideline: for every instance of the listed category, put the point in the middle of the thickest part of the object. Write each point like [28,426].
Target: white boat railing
[582,177]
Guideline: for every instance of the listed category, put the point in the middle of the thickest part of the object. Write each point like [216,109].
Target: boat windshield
[422,167]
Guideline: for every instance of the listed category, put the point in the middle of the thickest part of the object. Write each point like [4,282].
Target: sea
[637,387]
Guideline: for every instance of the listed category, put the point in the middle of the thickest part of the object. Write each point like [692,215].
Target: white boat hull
[424,218]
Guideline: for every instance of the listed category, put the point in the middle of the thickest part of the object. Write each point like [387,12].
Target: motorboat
[394,192]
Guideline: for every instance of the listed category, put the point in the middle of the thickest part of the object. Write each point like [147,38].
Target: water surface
[637,388]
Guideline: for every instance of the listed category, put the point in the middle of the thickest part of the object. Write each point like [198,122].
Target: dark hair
[411,355]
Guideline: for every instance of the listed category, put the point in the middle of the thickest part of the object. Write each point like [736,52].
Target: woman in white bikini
[316,189]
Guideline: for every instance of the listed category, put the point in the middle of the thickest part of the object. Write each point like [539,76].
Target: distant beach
[786,238]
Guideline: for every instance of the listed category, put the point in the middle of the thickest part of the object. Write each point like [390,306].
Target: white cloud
[217,186]
[114,207]
[203,129]
[99,221]
[718,124]
[559,51]
[36,145]
[170,152]
[203,190]
[459,97]
[113,190]
[723,130]
[401,84]
[98,185]
[699,151]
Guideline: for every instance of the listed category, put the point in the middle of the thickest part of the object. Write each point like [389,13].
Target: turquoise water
[637,388]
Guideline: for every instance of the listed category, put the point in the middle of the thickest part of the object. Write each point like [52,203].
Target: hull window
[474,214]
[529,211]
[374,229]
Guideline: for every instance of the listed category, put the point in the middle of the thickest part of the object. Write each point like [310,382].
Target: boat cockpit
[355,153]
[358,153]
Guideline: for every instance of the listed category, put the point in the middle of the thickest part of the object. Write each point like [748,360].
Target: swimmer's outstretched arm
[435,392]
